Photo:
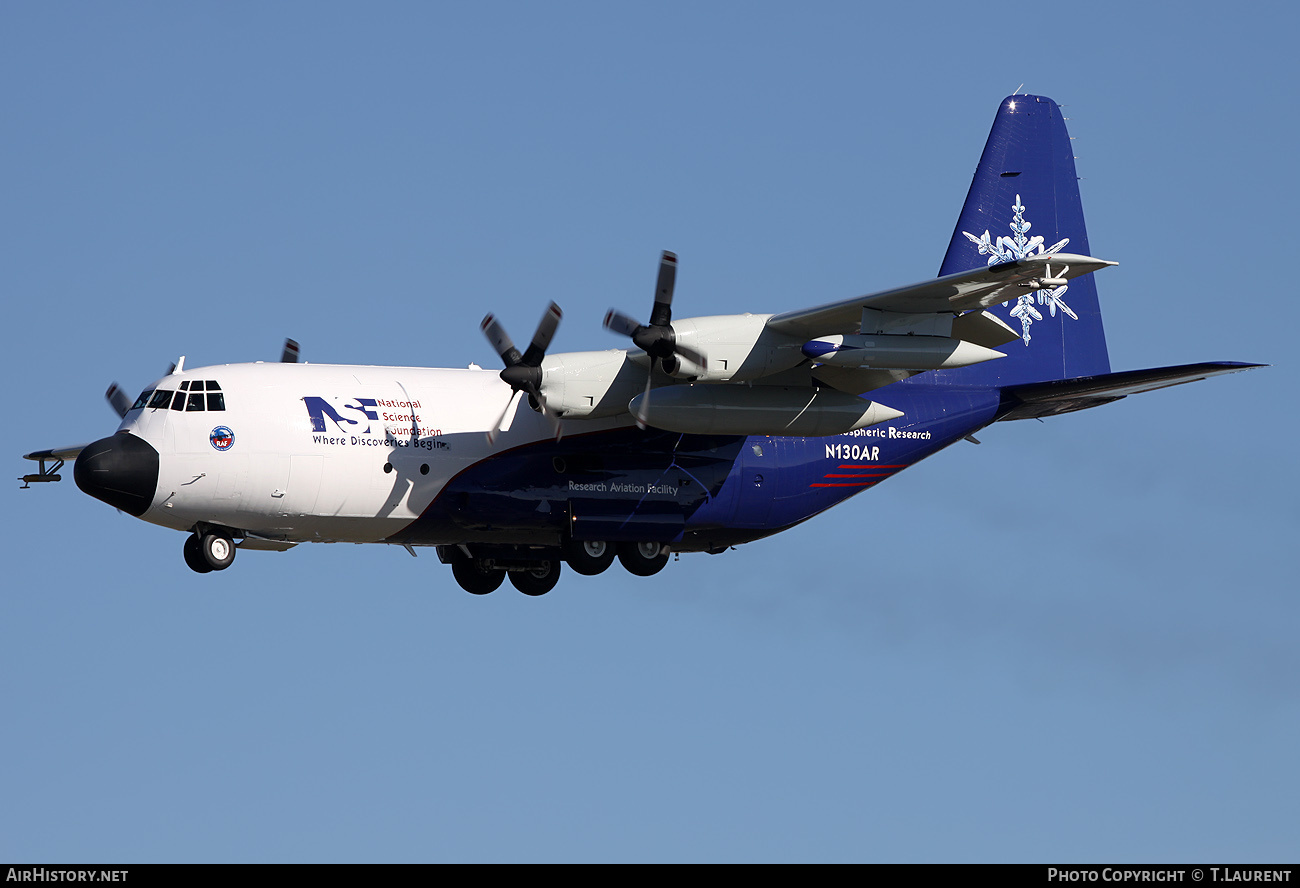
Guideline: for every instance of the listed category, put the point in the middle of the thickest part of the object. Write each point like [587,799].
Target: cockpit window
[194,395]
[142,400]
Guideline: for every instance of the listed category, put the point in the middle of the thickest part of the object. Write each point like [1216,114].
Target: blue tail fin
[1025,201]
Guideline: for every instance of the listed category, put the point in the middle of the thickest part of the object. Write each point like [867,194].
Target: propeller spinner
[523,372]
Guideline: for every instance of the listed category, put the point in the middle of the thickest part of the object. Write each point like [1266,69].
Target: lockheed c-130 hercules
[707,433]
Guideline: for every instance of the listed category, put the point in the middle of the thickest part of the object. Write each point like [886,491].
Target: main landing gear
[537,580]
[480,569]
[472,576]
[643,559]
[209,550]
[589,557]
[481,573]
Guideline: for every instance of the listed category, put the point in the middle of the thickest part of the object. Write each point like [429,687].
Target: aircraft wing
[951,294]
[1067,395]
[56,453]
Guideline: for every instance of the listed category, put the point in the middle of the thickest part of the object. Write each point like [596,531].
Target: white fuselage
[320,452]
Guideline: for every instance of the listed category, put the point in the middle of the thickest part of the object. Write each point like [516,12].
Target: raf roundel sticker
[222,438]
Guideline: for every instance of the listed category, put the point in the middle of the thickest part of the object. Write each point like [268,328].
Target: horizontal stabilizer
[1067,395]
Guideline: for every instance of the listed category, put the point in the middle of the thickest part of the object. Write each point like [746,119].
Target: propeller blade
[500,425]
[118,400]
[617,322]
[662,313]
[523,373]
[556,429]
[542,338]
[501,341]
[657,339]
[534,391]
[644,410]
[290,353]
[692,355]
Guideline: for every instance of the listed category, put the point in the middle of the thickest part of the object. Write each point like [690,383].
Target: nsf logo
[222,438]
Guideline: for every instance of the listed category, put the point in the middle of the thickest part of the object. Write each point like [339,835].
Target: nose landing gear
[209,550]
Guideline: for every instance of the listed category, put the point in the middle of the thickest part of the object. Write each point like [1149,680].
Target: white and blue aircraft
[708,433]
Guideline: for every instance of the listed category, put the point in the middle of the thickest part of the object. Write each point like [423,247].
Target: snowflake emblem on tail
[1021,246]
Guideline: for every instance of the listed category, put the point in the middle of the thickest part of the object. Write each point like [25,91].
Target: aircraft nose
[121,470]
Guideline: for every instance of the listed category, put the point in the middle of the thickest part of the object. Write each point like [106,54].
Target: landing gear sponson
[535,571]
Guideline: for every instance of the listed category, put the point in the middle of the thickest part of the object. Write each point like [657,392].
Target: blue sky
[1073,642]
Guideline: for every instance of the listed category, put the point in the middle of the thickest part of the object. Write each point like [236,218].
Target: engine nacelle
[758,410]
[737,348]
[891,351]
[591,384]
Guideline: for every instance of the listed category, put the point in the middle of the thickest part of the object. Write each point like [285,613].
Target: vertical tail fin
[1025,201]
